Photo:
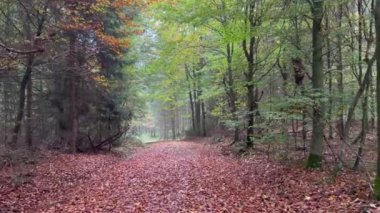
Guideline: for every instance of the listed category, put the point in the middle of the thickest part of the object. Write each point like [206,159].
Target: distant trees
[320,52]
[62,72]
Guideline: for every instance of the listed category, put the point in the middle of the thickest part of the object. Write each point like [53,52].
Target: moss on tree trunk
[314,161]
[377,188]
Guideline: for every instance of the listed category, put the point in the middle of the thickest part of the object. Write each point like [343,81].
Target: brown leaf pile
[180,177]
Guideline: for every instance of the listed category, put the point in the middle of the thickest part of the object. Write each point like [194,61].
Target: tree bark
[329,68]
[197,103]
[249,52]
[251,97]
[316,146]
[73,111]
[21,104]
[204,128]
[363,133]
[29,99]
[341,126]
[191,100]
[377,25]
[29,93]
[230,84]
[173,124]
[364,130]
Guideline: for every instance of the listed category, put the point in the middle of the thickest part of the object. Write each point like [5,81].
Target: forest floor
[183,176]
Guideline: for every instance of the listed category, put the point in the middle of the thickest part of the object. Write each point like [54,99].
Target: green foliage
[182,33]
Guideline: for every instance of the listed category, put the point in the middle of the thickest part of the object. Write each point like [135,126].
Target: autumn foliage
[88,16]
[180,177]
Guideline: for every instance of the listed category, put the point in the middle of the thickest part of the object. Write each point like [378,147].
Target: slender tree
[316,150]
[377,26]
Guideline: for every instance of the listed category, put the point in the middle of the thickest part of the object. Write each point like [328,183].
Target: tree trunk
[229,84]
[29,99]
[5,111]
[364,127]
[364,130]
[197,104]
[23,85]
[173,123]
[329,68]
[377,24]
[373,105]
[29,93]
[251,96]
[73,113]
[191,100]
[198,115]
[204,129]
[316,148]
[21,104]
[165,129]
[250,115]
[340,124]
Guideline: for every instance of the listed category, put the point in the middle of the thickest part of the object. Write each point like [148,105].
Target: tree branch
[21,52]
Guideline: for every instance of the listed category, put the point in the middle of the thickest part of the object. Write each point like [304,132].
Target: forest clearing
[189,106]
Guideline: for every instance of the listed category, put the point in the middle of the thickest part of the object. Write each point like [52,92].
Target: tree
[27,80]
[316,149]
[69,92]
[377,26]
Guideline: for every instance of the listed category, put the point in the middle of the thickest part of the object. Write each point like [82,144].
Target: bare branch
[21,52]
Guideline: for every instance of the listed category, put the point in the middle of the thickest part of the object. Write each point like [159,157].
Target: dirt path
[177,177]
[165,177]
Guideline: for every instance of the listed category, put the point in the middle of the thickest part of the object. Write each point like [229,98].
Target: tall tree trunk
[364,130]
[251,96]
[377,24]
[250,48]
[340,124]
[29,92]
[6,84]
[329,68]
[251,115]
[316,149]
[73,111]
[29,99]
[372,93]
[191,99]
[173,124]
[165,129]
[192,110]
[373,105]
[5,109]
[197,104]
[21,104]
[230,84]
[198,116]
[204,128]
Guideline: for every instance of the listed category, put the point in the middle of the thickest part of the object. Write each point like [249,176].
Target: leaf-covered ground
[178,177]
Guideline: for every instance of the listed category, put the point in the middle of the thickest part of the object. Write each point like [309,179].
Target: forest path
[173,177]
[165,177]
[179,177]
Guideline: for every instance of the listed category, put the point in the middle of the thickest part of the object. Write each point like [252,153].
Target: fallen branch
[110,140]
